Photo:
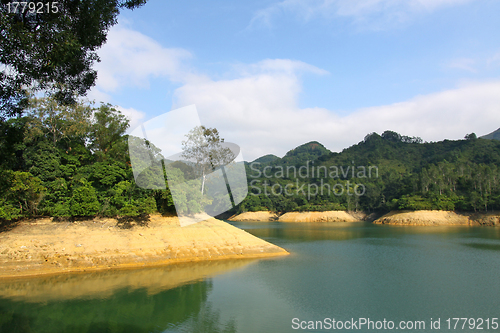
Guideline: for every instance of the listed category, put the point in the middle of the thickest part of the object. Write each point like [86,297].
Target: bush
[84,201]
[23,190]
[8,211]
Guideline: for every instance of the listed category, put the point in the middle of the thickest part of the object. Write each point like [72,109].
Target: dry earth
[439,217]
[328,216]
[261,216]
[41,246]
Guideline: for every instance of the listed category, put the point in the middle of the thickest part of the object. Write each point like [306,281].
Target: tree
[471,137]
[204,147]
[84,201]
[12,143]
[24,191]
[52,49]
[391,136]
[107,132]
[60,121]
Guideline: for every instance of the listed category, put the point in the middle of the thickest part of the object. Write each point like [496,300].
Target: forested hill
[266,158]
[453,175]
[70,161]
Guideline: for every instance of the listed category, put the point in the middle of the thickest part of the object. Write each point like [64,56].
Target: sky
[272,75]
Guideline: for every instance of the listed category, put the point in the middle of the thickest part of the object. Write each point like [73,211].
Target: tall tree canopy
[52,47]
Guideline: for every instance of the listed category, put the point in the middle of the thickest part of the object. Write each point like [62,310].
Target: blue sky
[271,75]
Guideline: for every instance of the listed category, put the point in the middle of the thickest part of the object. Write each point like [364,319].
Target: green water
[339,271]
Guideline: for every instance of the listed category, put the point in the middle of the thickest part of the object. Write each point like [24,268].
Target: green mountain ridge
[265,159]
[394,171]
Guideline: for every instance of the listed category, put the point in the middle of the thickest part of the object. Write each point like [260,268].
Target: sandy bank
[40,247]
[438,217]
[261,216]
[328,216]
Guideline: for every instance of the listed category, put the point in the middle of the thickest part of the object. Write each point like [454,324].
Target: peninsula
[42,246]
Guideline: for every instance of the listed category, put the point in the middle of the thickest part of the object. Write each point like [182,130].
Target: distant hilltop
[266,159]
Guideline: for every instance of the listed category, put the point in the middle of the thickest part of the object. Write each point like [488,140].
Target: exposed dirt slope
[328,216]
[43,247]
[439,217]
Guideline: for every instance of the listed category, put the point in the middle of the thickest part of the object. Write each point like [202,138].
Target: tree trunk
[203,183]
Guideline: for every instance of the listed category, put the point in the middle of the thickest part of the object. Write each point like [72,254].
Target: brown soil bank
[328,216]
[261,216]
[39,247]
[439,217]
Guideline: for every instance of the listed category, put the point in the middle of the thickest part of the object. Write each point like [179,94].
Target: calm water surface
[340,271]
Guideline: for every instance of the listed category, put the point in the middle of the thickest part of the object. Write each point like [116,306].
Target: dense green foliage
[387,171]
[266,158]
[52,48]
[67,161]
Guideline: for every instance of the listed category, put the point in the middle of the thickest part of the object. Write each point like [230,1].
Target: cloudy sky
[271,75]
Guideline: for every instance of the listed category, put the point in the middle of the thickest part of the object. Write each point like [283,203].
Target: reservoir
[347,272]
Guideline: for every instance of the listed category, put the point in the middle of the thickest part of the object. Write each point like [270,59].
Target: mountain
[493,135]
[306,152]
[388,171]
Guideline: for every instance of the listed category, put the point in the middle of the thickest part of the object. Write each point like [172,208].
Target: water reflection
[306,232]
[104,284]
[123,311]
[347,270]
[381,271]
[148,300]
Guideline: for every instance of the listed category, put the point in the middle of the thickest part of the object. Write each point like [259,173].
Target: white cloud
[97,95]
[373,14]
[448,114]
[258,107]
[494,60]
[130,58]
[286,66]
[260,113]
[134,116]
[466,64]
[254,108]
[479,64]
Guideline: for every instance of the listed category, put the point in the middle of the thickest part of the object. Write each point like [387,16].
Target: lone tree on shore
[204,147]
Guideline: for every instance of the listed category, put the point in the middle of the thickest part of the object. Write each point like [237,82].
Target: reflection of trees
[304,232]
[123,311]
[144,300]
[207,320]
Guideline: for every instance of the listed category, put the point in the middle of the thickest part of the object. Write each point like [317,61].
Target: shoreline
[308,217]
[403,217]
[439,218]
[42,247]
